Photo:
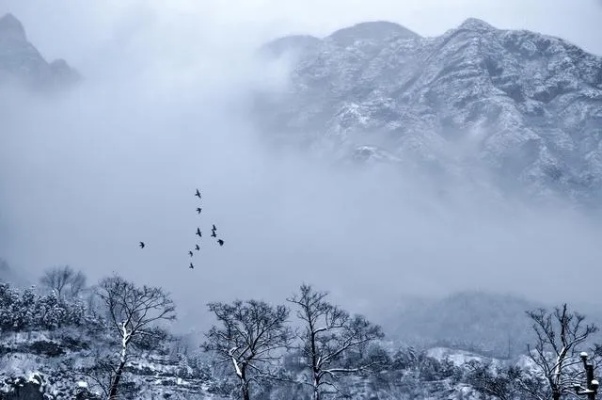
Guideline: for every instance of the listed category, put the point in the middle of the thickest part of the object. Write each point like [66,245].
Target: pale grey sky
[72,29]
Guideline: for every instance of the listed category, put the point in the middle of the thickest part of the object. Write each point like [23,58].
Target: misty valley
[371,214]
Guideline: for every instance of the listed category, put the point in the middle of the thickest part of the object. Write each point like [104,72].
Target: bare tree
[556,352]
[132,312]
[250,334]
[64,280]
[329,335]
[102,372]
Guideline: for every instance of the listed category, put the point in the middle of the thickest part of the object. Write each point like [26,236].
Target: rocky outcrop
[524,107]
[21,62]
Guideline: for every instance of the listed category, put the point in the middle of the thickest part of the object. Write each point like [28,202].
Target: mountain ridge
[524,106]
[21,62]
[12,28]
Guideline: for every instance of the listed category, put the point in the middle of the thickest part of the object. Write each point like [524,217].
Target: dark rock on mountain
[21,62]
[25,391]
[523,107]
[12,29]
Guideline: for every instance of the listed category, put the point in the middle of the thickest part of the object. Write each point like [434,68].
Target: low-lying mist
[86,175]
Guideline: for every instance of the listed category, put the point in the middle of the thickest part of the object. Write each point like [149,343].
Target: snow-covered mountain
[20,61]
[525,108]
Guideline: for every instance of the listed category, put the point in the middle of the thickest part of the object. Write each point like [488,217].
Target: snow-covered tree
[249,336]
[559,335]
[328,335]
[24,310]
[10,307]
[132,311]
[51,312]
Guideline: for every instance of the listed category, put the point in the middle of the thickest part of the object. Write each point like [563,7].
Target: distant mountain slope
[494,325]
[524,106]
[20,61]
[490,324]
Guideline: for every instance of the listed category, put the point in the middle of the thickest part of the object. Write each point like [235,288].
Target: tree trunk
[244,383]
[115,383]
[316,387]
[245,391]
[125,341]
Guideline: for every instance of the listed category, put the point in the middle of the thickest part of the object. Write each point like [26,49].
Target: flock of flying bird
[198,233]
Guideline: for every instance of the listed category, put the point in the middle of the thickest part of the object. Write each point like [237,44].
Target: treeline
[27,310]
[306,347]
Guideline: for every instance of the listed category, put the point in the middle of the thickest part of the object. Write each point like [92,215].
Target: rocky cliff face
[523,107]
[20,61]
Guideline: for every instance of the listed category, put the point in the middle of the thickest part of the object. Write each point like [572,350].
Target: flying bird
[142,245]
[213,234]
[198,232]
[196,247]
[190,253]
[198,194]
[191,266]
[198,210]
[220,241]
[214,228]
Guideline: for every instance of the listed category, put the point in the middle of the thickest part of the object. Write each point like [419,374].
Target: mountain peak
[373,30]
[515,111]
[291,43]
[11,27]
[475,24]
[20,60]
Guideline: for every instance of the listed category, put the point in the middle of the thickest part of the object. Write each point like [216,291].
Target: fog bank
[163,110]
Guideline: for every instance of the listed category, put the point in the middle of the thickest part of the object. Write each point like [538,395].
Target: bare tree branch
[249,334]
[329,335]
[64,280]
[558,337]
[131,309]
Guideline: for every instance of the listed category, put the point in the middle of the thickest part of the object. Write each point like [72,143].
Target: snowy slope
[57,362]
[525,106]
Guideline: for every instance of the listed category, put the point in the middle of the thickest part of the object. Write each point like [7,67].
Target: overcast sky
[72,29]
[117,160]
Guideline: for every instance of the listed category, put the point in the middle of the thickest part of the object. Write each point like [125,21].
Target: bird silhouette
[142,245]
[190,253]
[198,194]
[198,232]
[198,210]
[213,234]
[213,228]
[220,241]
[191,266]
[197,247]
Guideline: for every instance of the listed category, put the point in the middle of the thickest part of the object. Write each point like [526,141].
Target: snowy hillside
[58,348]
[65,346]
[61,349]
[525,107]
